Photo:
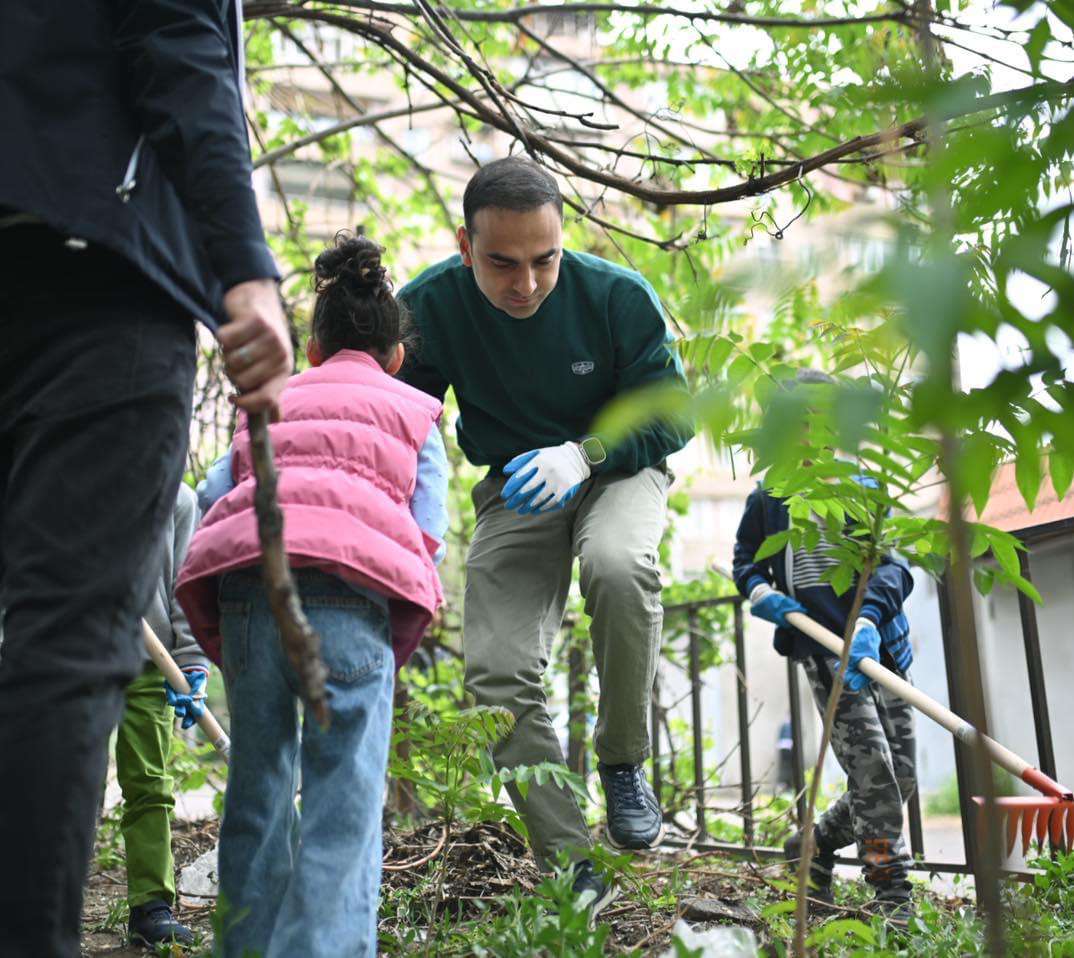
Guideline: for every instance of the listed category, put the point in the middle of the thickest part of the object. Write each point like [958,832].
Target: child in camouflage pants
[873,731]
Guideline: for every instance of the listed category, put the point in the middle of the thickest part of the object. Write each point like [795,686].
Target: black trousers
[96,374]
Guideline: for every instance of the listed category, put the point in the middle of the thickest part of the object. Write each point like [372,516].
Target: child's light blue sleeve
[216,484]
[428,505]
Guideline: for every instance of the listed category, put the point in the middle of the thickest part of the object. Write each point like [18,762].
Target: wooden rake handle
[957,726]
[177,680]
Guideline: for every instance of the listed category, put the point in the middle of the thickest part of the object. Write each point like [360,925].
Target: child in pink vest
[363,483]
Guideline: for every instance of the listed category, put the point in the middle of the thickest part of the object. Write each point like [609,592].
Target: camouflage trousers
[873,739]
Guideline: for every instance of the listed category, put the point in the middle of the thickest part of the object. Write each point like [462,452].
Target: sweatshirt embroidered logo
[582,368]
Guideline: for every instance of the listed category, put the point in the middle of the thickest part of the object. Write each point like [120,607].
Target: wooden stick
[300,642]
[177,680]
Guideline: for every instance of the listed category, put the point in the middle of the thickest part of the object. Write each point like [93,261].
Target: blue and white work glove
[544,479]
[216,484]
[772,605]
[189,707]
[864,645]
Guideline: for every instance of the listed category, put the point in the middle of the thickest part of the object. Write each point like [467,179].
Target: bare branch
[610,95]
[436,80]
[390,141]
[262,8]
[365,119]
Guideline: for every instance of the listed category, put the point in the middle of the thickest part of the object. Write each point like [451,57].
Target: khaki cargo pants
[518,577]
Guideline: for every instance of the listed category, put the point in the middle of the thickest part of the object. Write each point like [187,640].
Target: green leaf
[984,578]
[741,368]
[779,908]
[1027,473]
[841,578]
[761,352]
[1064,9]
[773,544]
[1038,39]
[716,356]
[979,457]
[1024,585]
[839,929]
[1006,553]
[1061,467]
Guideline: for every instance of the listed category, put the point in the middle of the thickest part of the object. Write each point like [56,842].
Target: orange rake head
[1036,819]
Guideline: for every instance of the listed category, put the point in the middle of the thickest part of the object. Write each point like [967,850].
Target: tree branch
[426,173]
[433,76]
[262,8]
[364,119]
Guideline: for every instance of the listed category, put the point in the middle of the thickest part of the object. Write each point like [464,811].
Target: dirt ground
[104,913]
[484,863]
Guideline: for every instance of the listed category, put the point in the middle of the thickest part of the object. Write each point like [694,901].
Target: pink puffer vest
[347,450]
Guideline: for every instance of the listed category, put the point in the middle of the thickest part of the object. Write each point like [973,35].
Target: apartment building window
[566,24]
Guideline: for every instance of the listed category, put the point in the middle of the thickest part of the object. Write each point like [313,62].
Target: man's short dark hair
[513,183]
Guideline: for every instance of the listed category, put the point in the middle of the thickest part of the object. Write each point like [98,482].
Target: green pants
[142,748]
[517,581]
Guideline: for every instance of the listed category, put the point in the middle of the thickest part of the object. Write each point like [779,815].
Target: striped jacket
[885,594]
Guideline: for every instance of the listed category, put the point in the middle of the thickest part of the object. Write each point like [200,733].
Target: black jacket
[888,587]
[123,125]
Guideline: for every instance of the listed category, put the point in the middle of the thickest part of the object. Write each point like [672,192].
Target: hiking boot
[594,891]
[820,869]
[634,819]
[153,923]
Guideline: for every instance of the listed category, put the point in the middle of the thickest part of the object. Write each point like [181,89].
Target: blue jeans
[306,885]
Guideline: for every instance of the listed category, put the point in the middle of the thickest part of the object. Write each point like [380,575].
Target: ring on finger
[242,354]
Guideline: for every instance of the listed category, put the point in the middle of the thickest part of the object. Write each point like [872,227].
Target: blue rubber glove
[190,707]
[772,605]
[216,484]
[864,645]
[543,480]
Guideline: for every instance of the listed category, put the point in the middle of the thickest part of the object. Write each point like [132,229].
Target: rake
[1051,816]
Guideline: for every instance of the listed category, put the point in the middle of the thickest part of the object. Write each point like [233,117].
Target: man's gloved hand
[864,645]
[189,707]
[772,605]
[544,479]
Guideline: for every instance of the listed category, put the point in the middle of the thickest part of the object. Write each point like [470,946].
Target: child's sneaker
[820,869]
[153,923]
[594,891]
[897,910]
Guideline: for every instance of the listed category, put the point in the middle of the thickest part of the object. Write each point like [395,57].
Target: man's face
[515,256]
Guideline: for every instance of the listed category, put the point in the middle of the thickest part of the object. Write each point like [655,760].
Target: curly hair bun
[354,262]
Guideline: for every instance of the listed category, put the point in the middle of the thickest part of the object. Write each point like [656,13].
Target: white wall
[1004,663]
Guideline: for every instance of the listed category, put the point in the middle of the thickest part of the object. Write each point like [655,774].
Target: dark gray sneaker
[598,890]
[634,819]
[153,923]
[820,869]
[896,910]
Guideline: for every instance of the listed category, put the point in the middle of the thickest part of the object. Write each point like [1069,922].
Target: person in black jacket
[126,212]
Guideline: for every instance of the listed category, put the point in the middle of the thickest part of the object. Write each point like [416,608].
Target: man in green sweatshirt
[535,340]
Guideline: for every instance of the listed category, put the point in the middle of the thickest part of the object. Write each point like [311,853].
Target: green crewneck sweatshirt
[523,384]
